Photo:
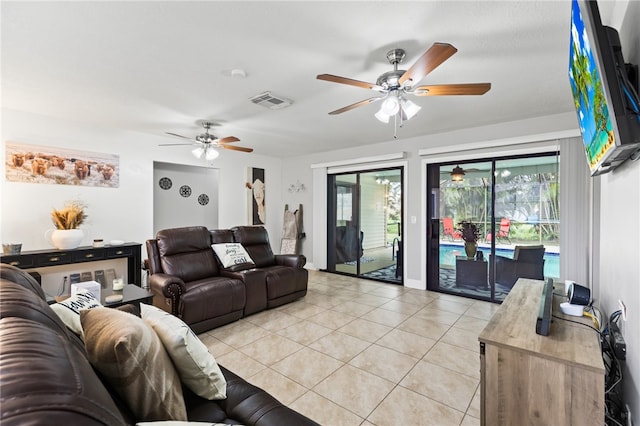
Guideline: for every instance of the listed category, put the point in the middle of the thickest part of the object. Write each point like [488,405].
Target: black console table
[471,272]
[53,257]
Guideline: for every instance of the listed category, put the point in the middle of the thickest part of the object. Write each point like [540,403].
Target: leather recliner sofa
[46,377]
[190,282]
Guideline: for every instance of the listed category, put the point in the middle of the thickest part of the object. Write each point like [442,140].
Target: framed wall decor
[256,196]
[60,166]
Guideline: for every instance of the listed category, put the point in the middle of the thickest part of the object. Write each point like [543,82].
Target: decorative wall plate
[203,199]
[165,183]
[185,190]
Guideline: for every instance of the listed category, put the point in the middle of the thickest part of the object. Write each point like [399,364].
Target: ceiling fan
[206,143]
[396,84]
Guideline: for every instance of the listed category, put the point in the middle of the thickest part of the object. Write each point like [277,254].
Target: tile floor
[360,352]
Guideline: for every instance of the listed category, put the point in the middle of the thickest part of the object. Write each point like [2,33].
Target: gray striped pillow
[129,354]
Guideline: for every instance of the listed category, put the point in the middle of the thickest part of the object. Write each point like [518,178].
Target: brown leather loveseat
[46,377]
[190,282]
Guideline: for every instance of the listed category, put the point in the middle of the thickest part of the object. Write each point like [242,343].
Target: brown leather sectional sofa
[46,377]
[188,280]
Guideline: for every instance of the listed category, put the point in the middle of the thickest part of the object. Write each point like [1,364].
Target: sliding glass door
[510,207]
[365,224]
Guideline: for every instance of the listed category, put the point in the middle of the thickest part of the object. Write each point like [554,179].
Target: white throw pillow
[231,254]
[69,310]
[197,368]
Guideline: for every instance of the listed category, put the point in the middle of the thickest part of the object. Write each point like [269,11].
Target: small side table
[471,272]
[131,293]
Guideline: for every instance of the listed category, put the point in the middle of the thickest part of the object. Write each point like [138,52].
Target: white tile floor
[359,352]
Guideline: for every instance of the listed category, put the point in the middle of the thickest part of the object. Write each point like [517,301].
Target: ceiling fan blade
[236,148]
[349,81]
[178,136]
[352,106]
[430,60]
[228,139]
[452,89]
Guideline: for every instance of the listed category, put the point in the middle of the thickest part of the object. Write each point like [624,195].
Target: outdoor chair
[527,262]
[448,229]
[503,231]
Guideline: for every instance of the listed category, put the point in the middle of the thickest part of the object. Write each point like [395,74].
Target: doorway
[511,205]
[365,224]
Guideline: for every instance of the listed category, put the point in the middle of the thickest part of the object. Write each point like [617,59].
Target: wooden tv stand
[526,378]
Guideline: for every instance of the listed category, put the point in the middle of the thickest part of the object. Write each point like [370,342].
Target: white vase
[66,239]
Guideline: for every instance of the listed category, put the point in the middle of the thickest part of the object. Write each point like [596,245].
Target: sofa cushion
[69,310]
[131,357]
[255,240]
[186,253]
[283,280]
[46,379]
[210,298]
[232,255]
[196,366]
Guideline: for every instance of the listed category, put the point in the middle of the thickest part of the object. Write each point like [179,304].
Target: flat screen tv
[605,99]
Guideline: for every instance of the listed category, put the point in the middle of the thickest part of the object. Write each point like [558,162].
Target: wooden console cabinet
[53,257]
[539,380]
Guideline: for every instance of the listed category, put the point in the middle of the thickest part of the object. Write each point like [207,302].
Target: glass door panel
[347,246]
[463,196]
[365,224]
[526,222]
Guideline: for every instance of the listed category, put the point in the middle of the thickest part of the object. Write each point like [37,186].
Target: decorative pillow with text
[69,310]
[231,254]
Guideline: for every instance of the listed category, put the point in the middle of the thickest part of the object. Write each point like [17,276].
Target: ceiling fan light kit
[208,144]
[396,84]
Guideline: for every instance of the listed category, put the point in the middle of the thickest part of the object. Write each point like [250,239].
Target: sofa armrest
[253,406]
[292,260]
[169,287]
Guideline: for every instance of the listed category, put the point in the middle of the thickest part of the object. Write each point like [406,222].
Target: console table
[53,257]
[539,380]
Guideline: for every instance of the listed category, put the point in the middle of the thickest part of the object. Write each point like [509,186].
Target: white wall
[124,213]
[619,224]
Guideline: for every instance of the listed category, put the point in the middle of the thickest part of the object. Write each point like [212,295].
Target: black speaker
[579,295]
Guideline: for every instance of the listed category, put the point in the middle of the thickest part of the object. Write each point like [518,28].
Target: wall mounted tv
[603,90]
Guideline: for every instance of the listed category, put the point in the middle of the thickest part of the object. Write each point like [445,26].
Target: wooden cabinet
[539,380]
[53,257]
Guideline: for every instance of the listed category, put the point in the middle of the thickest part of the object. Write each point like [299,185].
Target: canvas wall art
[60,166]
[256,196]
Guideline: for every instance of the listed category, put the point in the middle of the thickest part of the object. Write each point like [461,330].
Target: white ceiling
[157,67]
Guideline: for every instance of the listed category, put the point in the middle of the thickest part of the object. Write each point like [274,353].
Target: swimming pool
[448,253]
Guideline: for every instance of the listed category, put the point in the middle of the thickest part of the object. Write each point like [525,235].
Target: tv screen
[605,100]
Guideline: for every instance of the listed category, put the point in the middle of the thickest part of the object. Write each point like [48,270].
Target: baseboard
[417,284]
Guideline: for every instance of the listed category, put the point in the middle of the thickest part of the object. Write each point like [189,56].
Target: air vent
[268,100]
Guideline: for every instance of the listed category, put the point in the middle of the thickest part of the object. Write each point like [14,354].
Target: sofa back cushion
[221,236]
[255,241]
[44,372]
[48,380]
[19,300]
[186,253]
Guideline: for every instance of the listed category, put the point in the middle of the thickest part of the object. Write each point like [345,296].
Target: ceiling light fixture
[395,105]
[457,174]
[210,153]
